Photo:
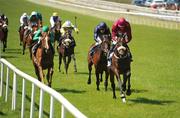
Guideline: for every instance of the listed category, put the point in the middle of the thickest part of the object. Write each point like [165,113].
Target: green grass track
[155,70]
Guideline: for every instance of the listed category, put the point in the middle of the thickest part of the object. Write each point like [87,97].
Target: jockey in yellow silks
[68,27]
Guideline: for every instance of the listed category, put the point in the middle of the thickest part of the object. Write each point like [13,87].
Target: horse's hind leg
[74,59]
[101,79]
[129,83]
[24,47]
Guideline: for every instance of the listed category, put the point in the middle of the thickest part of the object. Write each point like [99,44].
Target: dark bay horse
[27,39]
[44,59]
[57,33]
[3,34]
[66,51]
[121,65]
[99,59]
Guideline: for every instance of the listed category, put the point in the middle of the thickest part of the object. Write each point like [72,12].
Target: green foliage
[155,70]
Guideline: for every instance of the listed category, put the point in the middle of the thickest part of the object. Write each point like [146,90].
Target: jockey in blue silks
[100,29]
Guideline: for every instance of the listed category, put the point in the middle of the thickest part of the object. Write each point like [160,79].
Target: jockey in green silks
[37,38]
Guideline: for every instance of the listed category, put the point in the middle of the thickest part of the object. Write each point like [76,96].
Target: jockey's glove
[76,30]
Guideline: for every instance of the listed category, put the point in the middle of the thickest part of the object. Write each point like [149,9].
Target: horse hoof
[3,50]
[89,82]
[128,92]
[114,97]
[123,100]
[98,89]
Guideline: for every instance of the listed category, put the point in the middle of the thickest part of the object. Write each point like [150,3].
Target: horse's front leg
[106,80]
[112,84]
[41,74]
[60,61]
[90,69]
[97,79]
[49,76]
[67,65]
[123,97]
[24,47]
[74,59]
[101,79]
[129,83]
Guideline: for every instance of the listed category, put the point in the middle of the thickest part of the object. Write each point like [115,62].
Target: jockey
[68,27]
[121,28]
[24,20]
[37,38]
[35,19]
[4,21]
[54,19]
[99,30]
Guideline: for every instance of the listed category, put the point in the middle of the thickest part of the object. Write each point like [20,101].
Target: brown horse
[3,35]
[99,59]
[66,50]
[27,39]
[44,59]
[121,65]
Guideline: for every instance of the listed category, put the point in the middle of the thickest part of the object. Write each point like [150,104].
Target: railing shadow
[142,100]
[2,114]
[29,99]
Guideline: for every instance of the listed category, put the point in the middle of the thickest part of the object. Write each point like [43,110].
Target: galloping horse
[44,59]
[121,65]
[3,35]
[99,59]
[66,50]
[27,39]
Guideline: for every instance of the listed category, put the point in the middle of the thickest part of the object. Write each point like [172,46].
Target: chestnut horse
[66,50]
[3,35]
[44,59]
[99,59]
[27,39]
[121,65]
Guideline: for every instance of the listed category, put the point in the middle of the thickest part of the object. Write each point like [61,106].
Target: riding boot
[34,49]
[129,53]
[52,48]
[91,52]
[109,56]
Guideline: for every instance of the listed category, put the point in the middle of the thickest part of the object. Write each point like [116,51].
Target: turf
[155,70]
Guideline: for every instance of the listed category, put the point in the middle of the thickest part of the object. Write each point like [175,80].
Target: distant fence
[66,105]
[112,11]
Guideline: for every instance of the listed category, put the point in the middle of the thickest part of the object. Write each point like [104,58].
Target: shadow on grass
[151,101]
[2,114]
[16,51]
[82,73]
[8,56]
[63,90]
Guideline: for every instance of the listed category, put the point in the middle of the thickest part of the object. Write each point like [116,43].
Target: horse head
[106,42]
[120,50]
[66,40]
[45,41]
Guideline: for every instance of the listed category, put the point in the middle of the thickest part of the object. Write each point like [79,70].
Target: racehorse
[27,39]
[66,50]
[99,59]
[43,59]
[121,65]
[3,34]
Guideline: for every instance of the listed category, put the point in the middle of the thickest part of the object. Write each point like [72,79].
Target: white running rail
[66,105]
